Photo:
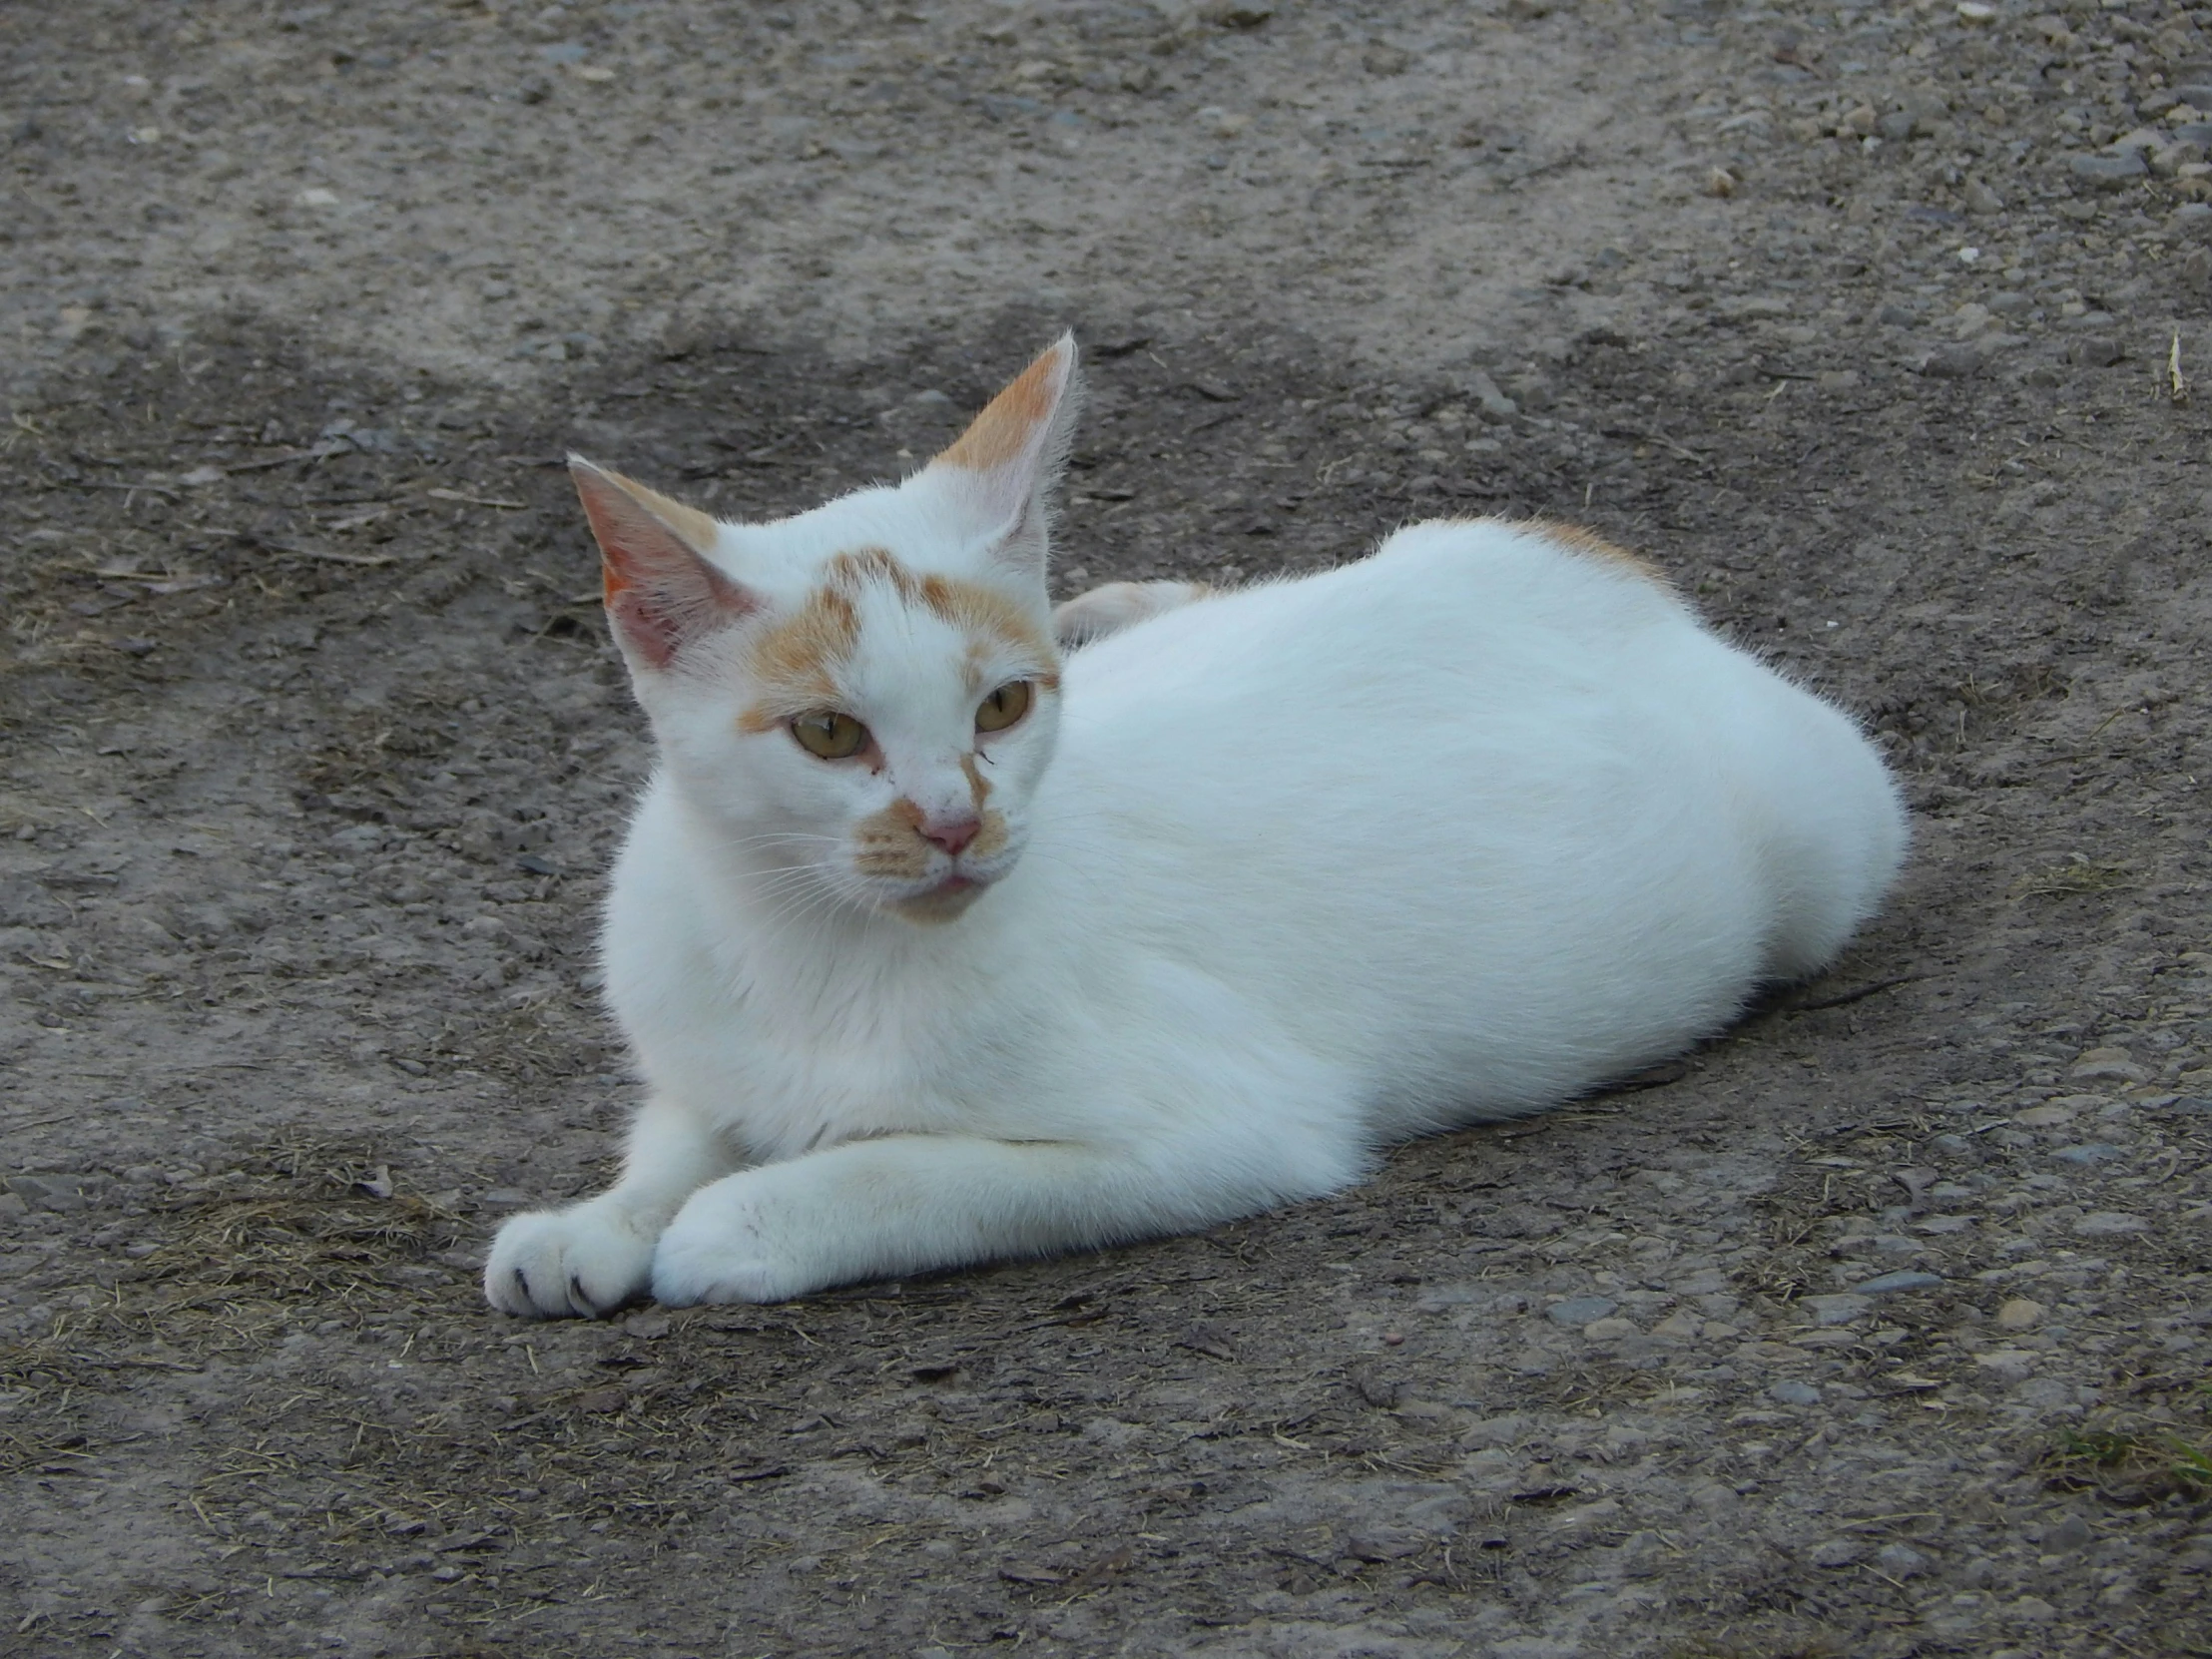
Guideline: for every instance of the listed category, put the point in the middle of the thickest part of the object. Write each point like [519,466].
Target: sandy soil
[1882,1327]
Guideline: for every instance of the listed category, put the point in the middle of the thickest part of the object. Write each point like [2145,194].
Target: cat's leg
[910,1203]
[593,1257]
[1117,605]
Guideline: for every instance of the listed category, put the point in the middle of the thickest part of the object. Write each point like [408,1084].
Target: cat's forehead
[868,621]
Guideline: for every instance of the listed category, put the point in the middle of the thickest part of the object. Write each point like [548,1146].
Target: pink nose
[953,835]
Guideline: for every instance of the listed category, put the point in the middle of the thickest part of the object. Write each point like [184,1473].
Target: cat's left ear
[1001,473]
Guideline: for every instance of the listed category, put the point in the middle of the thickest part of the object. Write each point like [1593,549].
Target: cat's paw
[724,1246]
[585,1260]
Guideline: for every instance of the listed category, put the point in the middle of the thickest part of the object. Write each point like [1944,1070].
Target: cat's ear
[1001,471]
[662,594]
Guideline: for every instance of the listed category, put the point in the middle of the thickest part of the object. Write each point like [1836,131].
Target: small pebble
[1790,1391]
[1836,1552]
[1905,1279]
[2107,1223]
[1579,1311]
[1833,1310]
[1901,1560]
[2020,1312]
[2109,171]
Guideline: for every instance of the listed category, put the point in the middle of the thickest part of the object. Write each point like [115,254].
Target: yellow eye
[830,734]
[1003,707]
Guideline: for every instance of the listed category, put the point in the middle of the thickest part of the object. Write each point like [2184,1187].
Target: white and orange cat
[937,944]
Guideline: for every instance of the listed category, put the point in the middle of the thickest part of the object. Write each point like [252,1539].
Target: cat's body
[1444,836]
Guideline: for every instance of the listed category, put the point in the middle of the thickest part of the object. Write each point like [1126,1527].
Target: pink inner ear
[661,595]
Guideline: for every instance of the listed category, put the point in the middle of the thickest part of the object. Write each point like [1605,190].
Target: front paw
[723,1246]
[585,1260]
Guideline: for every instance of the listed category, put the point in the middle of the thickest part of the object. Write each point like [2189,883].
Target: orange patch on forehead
[975,608]
[1008,422]
[798,659]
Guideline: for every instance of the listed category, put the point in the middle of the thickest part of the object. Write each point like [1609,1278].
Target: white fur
[1444,836]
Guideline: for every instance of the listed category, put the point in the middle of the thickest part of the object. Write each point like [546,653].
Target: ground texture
[1880,1328]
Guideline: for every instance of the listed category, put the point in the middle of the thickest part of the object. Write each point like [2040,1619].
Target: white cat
[935,947]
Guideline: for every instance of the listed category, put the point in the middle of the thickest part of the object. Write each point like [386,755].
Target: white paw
[723,1247]
[587,1259]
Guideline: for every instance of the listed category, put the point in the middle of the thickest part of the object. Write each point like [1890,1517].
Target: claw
[577,1296]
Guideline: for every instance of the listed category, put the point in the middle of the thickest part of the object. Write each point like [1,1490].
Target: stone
[1836,1309]
[2045,1117]
[2090,1152]
[59,1193]
[2020,1312]
[2107,1223]
[1953,362]
[2007,1365]
[1578,1311]
[2108,172]
[2070,1534]
[1679,1325]
[1980,199]
[1901,1560]
[2033,1610]
[1493,404]
[1610,1329]
[2096,352]
[1832,1553]
[2102,1063]
[1790,1391]
[1907,1279]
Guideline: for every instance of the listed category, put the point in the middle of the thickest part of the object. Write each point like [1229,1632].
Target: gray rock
[59,1193]
[1790,1391]
[1953,362]
[2108,172]
[1901,1560]
[2196,95]
[1894,317]
[1578,1311]
[2073,1533]
[2092,1152]
[2108,1223]
[1837,1310]
[1493,404]
[1836,1552]
[1890,1283]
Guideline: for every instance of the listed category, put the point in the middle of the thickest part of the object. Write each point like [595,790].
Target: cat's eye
[830,734]
[1003,707]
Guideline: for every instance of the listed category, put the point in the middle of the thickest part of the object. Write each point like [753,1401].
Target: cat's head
[860,700]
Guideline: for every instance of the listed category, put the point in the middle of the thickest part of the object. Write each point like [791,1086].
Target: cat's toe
[568,1263]
[713,1258]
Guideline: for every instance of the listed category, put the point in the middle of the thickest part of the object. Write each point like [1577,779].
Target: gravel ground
[1881,1326]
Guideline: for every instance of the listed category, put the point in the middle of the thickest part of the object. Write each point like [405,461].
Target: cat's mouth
[942,902]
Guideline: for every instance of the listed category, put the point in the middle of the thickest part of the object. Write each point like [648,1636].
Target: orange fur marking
[980,786]
[1003,430]
[796,658]
[799,658]
[1590,545]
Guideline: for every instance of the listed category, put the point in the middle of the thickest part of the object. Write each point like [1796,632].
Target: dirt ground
[1880,1328]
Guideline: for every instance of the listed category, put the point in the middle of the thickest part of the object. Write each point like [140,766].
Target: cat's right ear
[661,592]
[1002,470]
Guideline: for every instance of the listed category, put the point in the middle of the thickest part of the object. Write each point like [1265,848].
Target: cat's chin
[946,901]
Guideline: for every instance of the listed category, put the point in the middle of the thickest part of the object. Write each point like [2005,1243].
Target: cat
[936,942]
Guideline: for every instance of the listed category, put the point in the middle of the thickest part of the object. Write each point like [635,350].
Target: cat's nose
[951,833]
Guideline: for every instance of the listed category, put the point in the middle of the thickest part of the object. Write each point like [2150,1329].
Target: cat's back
[1472,612]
